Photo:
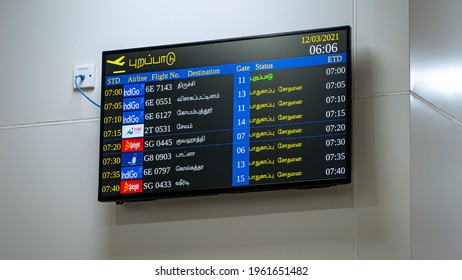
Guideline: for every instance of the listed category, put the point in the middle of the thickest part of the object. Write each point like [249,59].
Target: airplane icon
[117,62]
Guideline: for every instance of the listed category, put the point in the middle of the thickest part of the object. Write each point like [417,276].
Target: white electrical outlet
[89,71]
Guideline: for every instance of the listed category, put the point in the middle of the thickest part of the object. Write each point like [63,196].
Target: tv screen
[244,114]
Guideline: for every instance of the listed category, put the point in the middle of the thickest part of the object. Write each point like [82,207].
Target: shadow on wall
[289,224]
[366,126]
[234,205]
[272,202]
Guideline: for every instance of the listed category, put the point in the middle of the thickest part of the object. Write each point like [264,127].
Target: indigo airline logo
[133,131]
[132,173]
[133,90]
[132,159]
[132,145]
[132,117]
[131,104]
[131,186]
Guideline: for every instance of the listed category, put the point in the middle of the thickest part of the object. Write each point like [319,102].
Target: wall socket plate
[89,71]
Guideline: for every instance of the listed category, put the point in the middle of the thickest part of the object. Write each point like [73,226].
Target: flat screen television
[236,115]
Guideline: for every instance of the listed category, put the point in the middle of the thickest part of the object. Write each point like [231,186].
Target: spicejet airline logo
[131,186]
[132,145]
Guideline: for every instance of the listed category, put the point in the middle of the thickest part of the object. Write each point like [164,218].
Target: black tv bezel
[248,188]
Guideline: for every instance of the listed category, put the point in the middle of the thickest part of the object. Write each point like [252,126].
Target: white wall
[436,129]
[382,164]
[49,138]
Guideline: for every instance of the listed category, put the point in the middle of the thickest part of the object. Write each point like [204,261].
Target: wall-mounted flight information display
[247,114]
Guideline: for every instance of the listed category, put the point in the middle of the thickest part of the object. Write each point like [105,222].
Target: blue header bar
[227,69]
